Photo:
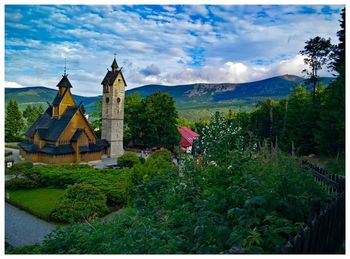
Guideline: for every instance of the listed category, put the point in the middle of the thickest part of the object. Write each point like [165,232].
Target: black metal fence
[325,231]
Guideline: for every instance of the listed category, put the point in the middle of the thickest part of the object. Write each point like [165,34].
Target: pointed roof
[187,136]
[64,82]
[59,98]
[51,128]
[114,64]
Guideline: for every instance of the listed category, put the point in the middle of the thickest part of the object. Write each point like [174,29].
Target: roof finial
[115,54]
[65,67]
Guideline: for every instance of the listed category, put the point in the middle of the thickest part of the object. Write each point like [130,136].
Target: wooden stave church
[62,134]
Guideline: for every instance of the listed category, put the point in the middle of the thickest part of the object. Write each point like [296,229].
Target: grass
[39,202]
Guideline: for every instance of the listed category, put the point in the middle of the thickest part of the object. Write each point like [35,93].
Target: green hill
[40,95]
[193,101]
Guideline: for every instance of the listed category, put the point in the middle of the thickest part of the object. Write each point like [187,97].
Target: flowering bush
[221,140]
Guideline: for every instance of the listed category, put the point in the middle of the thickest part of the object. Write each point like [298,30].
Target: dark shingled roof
[114,64]
[59,150]
[100,145]
[44,121]
[64,82]
[58,98]
[51,149]
[42,132]
[110,77]
[53,126]
[77,134]
[29,146]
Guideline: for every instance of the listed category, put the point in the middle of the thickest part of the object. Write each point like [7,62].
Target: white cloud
[13,85]
[89,35]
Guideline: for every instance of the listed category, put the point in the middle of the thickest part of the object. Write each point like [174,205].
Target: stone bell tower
[113,109]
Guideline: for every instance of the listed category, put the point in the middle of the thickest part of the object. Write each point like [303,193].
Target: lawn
[38,201]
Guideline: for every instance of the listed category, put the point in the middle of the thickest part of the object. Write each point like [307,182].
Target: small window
[107,100]
[118,100]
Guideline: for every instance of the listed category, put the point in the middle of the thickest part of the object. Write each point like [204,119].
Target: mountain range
[202,94]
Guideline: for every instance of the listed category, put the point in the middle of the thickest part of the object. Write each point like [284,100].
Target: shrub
[128,159]
[21,168]
[20,183]
[80,202]
[162,154]
[33,249]
[114,183]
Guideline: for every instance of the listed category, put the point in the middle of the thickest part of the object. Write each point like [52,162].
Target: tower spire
[114,65]
[65,67]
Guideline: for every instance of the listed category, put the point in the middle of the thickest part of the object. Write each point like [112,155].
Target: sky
[159,44]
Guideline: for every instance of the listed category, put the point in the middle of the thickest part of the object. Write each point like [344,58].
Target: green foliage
[256,205]
[31,113]
[96,118]
[221,140]
[34,249]
[21,168]
[151,122]
[14,122]
[253,201]
[162,154]
[80,202]
[115,184]
[330,133]
[158,163]
[133,123]
[182,122]
[128,159]
[20,183]
[317,51]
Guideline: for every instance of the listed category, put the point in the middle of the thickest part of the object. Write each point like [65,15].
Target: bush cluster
[20,183]
[251,201]
[128,159]
[116,184]
[21,168]
[80,202]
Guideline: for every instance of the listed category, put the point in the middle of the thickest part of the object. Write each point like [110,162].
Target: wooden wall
[60,159]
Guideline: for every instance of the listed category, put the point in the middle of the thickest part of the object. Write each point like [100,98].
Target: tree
[133,123]
[82,108]
[159,118]
[14,122]
[338,55]
[317,51]
[299,126]
[97,118]
[31,114]
[330,134]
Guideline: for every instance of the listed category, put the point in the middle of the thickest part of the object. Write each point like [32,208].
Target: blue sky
[159,44]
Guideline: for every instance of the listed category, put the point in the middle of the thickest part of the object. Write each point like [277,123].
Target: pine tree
[299,127]
[14,122]
[330,135]
[317,51]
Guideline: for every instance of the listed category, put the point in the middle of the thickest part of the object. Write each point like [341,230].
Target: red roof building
[187,137]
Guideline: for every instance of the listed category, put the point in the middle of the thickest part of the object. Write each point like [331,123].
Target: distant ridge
[275,87]
[278,86]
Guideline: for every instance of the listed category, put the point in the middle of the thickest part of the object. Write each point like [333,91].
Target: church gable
[67,100]
[77,121]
